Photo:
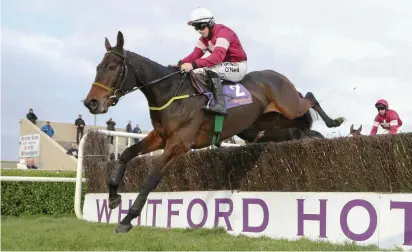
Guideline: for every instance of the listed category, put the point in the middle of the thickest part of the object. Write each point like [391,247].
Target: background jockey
[387,118]
[227,59]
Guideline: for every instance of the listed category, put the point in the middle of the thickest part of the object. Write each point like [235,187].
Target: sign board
[29,146]
[384,220]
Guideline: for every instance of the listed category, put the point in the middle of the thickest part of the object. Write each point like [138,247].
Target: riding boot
[219,106]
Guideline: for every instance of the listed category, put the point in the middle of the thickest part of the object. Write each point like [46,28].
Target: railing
[79,179]
[130,135]
[38,179]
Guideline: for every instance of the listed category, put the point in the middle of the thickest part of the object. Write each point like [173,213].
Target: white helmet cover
[201,15]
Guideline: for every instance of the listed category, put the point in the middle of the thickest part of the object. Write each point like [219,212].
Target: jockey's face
[381,108]
[202,29]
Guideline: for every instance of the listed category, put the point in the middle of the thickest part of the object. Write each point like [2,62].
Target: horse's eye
[111,67]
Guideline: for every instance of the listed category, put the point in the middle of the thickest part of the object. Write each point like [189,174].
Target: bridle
[123,76]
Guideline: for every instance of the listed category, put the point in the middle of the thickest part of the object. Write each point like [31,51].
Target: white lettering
[237,88]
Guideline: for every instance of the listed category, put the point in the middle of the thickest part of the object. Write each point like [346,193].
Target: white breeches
[384,131]
[226,70]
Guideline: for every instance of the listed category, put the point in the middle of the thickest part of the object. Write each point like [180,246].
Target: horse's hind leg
[151,142]
[291,105]
[288,101]
[328,121]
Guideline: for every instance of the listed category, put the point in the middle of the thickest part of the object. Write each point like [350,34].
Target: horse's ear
[107,44]
[120,40]
[360,128]
[351,128]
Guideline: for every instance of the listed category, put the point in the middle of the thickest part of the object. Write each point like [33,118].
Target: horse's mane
[168,69]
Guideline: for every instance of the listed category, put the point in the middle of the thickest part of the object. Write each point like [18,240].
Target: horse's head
[354,132]
[112,81]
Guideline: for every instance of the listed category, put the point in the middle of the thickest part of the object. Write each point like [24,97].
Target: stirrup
[215,109]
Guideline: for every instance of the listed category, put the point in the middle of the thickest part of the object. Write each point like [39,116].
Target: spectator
[387,118]
[129,129]
[80,128]
[110,126]
[30,164]
[73,152]
[137,131]
[31,116]
[47,128]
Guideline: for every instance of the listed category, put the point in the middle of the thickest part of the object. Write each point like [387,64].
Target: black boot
[219,106]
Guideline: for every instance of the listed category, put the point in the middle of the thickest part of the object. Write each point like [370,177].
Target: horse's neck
[148,70]
[159,93]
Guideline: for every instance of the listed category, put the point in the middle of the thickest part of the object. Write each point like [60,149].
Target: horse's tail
[311,115]
[314,116]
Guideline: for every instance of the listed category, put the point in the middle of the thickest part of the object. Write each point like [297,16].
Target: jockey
[388,119]
[227,59]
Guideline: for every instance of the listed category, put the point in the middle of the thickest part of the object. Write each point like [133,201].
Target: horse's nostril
[91,104]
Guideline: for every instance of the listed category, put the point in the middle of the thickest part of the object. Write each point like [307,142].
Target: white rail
[79,179]
[38,179]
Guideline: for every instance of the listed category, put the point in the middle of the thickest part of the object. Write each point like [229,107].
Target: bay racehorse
[175,101]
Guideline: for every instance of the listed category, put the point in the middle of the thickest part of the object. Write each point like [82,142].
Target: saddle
[234,92]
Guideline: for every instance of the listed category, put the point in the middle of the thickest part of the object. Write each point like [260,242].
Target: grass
[69,233]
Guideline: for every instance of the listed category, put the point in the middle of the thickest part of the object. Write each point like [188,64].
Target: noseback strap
[103,86]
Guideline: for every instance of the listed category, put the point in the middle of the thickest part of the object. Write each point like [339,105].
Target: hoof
[331,124]
[335,123]
[340,120]
[113,203]
[121,228]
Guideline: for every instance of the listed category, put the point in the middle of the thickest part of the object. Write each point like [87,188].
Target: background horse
[354,132]
[179,123]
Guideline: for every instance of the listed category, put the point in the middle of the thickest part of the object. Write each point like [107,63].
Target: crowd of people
[80,125]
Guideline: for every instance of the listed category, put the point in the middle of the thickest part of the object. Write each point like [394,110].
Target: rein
[124,74]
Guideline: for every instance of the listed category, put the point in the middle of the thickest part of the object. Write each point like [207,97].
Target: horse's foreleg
[151,142]
[175,147]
